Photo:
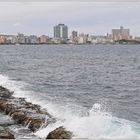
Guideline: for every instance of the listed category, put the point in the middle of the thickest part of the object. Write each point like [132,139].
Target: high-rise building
[61,31]
[118,34]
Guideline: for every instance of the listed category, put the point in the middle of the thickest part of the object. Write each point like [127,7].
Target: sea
[91,90]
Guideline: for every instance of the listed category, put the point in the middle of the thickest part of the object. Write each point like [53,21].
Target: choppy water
[94,91]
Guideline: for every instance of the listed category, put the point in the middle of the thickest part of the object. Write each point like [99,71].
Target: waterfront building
[82,38]
[74,34]
[33,39]
[74,38]
[9,39]
[20,38]
[119,34]
[102,39]
[2,39]
[13,39]
[137,38]
[44,39]
[98,39]
[27,40]
[61,31]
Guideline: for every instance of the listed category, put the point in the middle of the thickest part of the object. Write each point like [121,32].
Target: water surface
[92,86]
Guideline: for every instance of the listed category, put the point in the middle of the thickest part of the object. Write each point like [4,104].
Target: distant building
[2,39]
[74,37]
[33,39]
[82,38]
[44,39]
[74,34]
[21,38]
[137,38]
[61,31]
[119,34]
[27,40]
[13,39]
[8,40]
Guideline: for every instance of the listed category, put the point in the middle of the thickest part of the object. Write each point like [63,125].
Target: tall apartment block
[61,31]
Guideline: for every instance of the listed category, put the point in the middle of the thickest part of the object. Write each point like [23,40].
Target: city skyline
[118,36]
[93,18]
[69,34]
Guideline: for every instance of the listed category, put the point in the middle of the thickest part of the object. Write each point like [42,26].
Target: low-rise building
[20,38]
[33,39]
[2,39]
[82,38]
[44,39]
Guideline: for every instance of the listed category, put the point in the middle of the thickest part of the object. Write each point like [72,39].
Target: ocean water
[93,91]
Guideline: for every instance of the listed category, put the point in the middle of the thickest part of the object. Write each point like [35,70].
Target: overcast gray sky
[96,18]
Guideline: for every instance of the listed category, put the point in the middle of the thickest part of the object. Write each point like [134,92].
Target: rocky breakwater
[27,114]
[23,112]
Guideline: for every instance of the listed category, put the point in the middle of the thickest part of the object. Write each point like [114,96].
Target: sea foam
[95,123]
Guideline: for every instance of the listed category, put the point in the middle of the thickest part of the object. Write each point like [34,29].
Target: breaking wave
[93,123]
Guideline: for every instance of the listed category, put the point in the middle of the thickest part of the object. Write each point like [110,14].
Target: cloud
[88,17]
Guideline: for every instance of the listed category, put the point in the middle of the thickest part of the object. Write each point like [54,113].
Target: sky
[94,18]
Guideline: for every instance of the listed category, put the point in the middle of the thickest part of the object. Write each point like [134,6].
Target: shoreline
[90,44]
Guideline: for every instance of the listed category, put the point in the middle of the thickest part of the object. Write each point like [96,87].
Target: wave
[97,124]
[93,123]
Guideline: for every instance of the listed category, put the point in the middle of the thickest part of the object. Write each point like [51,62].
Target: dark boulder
[5,93]
[59,133]
[3,104]
[5,134]
[10,109]
[35,123]
[19,116]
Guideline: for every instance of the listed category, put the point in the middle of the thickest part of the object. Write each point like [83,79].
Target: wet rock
[19,116]
[5,93]
[2,101]
[10,109]
[35,123]
[23,112]
[3,104]
[5,134]
[59,133]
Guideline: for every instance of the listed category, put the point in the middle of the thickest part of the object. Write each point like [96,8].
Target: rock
[3,104]
[2,101]
[23,112]
[10,109]
[19,116]
[59,133]
[5,93]
[35,123]
[5,134]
